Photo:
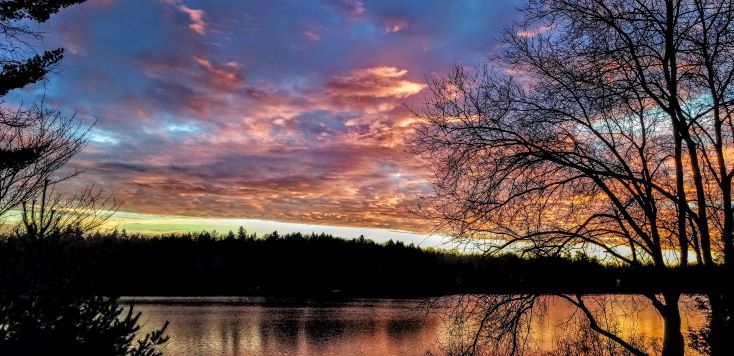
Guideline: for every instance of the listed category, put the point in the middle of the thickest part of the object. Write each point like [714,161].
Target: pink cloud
[395,25]
[196,16]
[527,33]
[197,19]
[355,186]
[237,111]
[312,35]
[254,155]
[226,76]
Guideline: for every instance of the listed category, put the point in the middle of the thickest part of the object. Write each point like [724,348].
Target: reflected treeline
[296,264]
[256,326]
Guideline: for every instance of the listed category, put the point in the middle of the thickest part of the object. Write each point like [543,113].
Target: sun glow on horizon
[153,224]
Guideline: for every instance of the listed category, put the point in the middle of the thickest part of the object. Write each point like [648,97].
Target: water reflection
[258,326]
[252,326]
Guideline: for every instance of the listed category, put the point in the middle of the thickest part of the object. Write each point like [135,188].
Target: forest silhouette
[296,264]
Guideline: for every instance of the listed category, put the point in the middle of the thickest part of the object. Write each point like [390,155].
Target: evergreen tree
[241,233]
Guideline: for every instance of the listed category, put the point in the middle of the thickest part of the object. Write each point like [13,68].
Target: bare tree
[35,141]
[52,213]
[34,144]
[603,125]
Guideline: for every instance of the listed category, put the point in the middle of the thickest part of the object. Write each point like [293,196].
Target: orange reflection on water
[259,326]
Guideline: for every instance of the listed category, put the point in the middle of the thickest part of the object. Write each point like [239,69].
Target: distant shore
[319,266]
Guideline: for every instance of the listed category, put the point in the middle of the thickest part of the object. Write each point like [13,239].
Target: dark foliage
[17,72]
[32,9]
[91,325]
[51,306]
[21,73]
[701,338]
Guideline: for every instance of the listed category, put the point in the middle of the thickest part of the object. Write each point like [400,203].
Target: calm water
[259,326]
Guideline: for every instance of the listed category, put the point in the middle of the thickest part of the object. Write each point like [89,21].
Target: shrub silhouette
[49,307]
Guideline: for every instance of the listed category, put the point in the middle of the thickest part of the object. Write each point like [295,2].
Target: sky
[285,112]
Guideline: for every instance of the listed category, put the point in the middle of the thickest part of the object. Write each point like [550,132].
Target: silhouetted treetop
[33,9]
[21,63]
[35,141]
[17,74]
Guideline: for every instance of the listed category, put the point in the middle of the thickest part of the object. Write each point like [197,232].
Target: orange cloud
[374,82]
[225,75]
[355,186]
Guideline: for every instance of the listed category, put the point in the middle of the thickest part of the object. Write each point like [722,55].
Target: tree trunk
[721,338]
[673,344]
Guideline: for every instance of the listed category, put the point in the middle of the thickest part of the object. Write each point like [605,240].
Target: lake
[269,326]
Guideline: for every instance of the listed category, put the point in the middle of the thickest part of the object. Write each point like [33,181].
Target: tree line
[241,263]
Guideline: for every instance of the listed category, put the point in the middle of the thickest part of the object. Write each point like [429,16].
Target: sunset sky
[288,111]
